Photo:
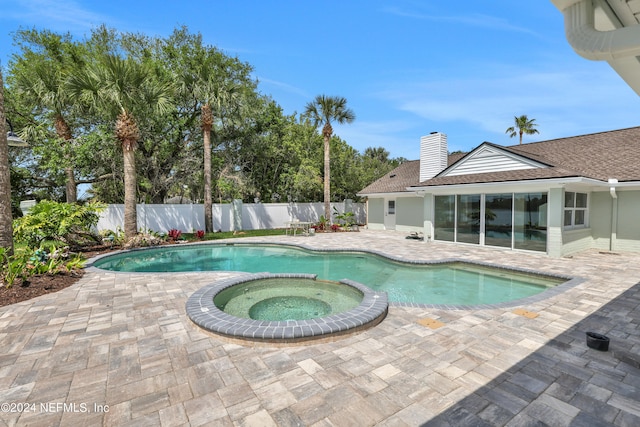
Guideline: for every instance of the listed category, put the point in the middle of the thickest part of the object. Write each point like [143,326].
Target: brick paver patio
[118,349]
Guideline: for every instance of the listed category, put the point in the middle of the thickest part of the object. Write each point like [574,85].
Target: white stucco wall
[628,226]
[375,213]
[409,214]
[600,219]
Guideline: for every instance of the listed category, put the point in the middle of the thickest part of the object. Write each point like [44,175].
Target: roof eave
[549,182]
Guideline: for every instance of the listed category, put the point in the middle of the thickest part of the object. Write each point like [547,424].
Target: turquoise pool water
[454,283]
[287,299]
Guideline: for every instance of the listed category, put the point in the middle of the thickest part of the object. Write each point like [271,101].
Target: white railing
[226,217]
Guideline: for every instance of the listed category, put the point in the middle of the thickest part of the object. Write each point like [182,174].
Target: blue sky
[407,68]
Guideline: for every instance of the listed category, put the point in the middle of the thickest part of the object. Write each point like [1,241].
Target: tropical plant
[29,262]
[522,125]
[63,222]
[324,110]
[322,224]
[13,266]
[174,234]
[345,219]
[120,88]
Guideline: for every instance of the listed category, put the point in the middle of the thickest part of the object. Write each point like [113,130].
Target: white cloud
[58,15]
[283,86]
[473,20]
[566,100]
[396,136]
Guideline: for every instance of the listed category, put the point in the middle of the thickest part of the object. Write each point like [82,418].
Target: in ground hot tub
[285,307]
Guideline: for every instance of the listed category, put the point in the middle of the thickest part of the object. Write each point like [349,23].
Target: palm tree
[213,94]
[6,229]
[324,110]
[377,153]
[45,85]
[120,89]
[40,74]
[522,125]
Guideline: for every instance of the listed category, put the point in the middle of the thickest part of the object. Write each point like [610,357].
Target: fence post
[236,215]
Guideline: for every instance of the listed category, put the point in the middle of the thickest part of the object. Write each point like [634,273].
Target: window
[392,207]
[575,209]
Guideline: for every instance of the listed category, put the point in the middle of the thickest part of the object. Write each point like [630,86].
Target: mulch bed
[46,283]
[36,286]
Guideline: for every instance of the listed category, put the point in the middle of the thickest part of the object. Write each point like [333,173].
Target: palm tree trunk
[64,132]
[208,215]
[327,179]
[130,199]
[6,229]
[71,187]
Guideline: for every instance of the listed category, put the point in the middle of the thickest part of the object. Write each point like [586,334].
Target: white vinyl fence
[226,217]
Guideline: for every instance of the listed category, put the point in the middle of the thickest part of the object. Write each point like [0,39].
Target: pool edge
[202,311]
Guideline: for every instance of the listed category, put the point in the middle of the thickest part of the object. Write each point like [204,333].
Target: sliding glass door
[509,220]
[468,218]
[530,221]
[445,219]
[498,227]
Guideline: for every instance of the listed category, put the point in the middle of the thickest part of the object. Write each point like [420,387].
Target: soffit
[609,16]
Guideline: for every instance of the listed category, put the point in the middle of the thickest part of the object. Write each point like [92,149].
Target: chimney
[433,155]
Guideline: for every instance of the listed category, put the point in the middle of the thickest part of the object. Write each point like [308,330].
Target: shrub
[200,234]
[174,234]
[64,222]
[26,263]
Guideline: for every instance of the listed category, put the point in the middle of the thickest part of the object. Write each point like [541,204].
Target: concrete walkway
[118,349]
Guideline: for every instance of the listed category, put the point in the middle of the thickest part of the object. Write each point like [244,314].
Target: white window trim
[573,225]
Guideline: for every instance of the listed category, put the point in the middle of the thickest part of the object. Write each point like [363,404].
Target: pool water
[451,283]
[287,299]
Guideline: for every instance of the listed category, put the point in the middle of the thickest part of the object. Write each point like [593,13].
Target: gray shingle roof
[405,175]
[604,155]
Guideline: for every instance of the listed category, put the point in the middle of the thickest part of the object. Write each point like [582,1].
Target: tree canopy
[60,100]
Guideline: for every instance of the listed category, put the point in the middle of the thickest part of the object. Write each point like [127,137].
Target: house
[559,196]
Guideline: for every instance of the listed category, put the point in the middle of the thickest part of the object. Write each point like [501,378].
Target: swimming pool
[450,283]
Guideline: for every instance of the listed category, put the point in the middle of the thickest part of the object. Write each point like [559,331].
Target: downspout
[614,213]
[588,42]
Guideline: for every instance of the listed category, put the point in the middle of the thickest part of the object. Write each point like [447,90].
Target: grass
[191,237]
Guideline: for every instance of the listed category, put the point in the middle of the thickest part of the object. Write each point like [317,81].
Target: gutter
[547,182]
[588,42]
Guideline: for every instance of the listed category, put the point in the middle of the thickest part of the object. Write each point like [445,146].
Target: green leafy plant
[64,222]
[322,224]
[26,263]
[346,219]
[75,263]
[13,267]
